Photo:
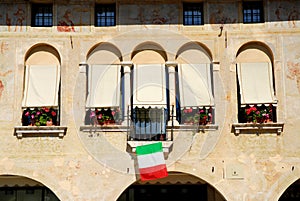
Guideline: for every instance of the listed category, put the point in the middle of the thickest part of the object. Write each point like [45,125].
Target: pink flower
[92,114]
[32,116]
[113,113]
[53,113]
[100,116]
[38,113]
[27,114]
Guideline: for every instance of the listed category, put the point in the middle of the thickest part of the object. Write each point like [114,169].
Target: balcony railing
[148,124]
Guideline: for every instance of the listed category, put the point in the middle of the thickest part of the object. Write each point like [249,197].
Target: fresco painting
[224,15]
[6,80]
[73,18]
[285,12]
[149,14]
[293,63]
[14,19]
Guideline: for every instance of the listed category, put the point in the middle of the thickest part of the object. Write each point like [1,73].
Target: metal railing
[148,123]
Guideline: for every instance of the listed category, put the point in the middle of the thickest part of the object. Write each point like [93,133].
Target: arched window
[41,96]
[255,85]
[195,85]
[104,101]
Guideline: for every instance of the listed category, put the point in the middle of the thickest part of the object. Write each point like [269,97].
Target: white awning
[103,86]
[149,85]
[256,83]
[41,86]
[195,85]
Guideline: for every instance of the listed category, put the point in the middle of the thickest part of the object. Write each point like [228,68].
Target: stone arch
[176,181]
[194,52]
[284,183]
[149,52]
[42,54]
[255,50]
[104,53]
[19,182]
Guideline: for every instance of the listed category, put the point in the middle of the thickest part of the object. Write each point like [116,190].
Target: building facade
[84,82]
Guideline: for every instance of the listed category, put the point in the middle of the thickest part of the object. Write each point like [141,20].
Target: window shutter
[195,85]
[256,83]
[41,86]
[103,86]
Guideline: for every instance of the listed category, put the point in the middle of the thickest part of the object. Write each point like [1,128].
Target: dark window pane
[192,14]
[105,15]
[253,12]
[41,15]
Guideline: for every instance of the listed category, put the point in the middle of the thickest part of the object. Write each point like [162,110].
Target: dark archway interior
[292,193]
[176,187]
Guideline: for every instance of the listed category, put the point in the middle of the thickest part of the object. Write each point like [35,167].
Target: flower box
[196,116]
[103,116]
[40,116]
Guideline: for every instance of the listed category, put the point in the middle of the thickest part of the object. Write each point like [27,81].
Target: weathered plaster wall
[97,166]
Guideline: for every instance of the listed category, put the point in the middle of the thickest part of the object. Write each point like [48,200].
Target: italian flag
[151,161]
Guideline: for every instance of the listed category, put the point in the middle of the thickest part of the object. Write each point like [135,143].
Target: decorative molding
[257,128]
[40,131]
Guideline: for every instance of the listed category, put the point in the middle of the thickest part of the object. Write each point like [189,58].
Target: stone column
[127,91]
[172,92]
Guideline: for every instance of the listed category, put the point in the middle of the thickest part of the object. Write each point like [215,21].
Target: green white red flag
[151,161]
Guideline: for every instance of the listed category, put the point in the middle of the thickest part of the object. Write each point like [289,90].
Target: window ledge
[257,128]
[40,131]
[104,128]
[167,145]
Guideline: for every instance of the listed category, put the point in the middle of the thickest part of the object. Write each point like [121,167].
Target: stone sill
[167,145]
[257,128]
[40,131]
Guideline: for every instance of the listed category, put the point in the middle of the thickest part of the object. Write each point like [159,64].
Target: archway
[292,193]
[177,186]
[20,188]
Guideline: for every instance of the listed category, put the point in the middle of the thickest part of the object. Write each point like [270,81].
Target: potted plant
[44,116]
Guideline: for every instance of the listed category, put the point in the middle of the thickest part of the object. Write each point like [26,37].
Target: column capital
[171,63]
[127,63]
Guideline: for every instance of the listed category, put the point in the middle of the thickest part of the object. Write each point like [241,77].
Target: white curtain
[195,85]
[41,86]
[149,85]
[256,83]
[103,86]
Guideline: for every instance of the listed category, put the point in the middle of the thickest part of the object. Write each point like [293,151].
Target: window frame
[46,18]
[253,6]
[106,20]
[191,8]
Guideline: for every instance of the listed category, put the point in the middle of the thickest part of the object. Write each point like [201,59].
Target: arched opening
[255,84]
[18,188]
[104,85]
[42,54]
[194,94]
[149,98]
[292,193]
[177,186]
[41,100]
[104,53]
[149,52]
